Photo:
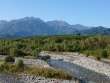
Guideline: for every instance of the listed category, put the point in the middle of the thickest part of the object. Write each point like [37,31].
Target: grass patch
[48,73]
[97,53]
[1,62]
[36,71]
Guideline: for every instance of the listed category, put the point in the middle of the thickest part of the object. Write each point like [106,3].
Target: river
[85,75]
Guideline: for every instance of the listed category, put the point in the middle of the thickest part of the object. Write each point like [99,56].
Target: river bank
[6,78]
[84,68]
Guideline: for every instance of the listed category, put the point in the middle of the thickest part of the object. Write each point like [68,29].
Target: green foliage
[12,52]
[87,54]
[9,59]
[20,53]
[32,46]
[16,52]
[98,58]
[20,46]
[104,54]
[10,68]
[20,64]
[49,73]
[35,52]
[37,71]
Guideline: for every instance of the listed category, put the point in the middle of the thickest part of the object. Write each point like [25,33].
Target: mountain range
[31,26]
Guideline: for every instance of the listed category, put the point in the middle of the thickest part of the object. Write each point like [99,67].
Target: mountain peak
[27,19]
[58,22]
[29,26]
[80,27]
[30,18]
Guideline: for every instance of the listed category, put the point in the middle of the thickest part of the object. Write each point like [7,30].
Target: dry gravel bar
[30,79]
[80,66]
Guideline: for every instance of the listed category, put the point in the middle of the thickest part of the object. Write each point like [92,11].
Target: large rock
[43,56]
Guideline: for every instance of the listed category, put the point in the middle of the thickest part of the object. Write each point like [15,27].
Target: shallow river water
[85,75]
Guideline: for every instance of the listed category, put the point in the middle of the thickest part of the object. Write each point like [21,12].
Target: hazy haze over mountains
[30,26]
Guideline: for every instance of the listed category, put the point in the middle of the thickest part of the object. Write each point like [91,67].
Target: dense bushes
[8,68]
[98,58]
[32,46]
[20,64]
[9,59]
[17,52]
[104,54]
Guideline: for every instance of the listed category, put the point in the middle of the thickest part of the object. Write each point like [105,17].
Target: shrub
[87,54]
[36,71]
[12,51]
[16,52]
[4,67]
[48,73]
[8,68]
[104,54]
[35,52]
[20,64]
[9,59]
[98,58]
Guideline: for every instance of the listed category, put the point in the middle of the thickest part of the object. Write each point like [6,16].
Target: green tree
[36,52]
[20,64]
[9,59]
[104,54]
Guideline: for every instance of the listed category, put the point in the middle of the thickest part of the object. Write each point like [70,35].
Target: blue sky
[86,12]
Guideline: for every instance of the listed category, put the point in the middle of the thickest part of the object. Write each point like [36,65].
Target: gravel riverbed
[82,67]
[4,78]
[88,70]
